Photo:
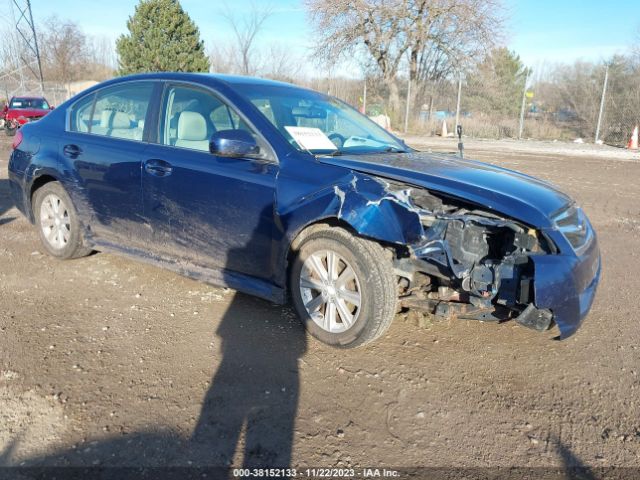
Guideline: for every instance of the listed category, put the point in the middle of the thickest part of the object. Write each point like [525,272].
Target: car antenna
[460,145]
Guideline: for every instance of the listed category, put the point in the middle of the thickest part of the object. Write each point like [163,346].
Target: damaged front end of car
[462,261]
[472,265]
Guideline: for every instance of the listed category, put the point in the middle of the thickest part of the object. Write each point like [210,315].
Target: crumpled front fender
[373,210]
[364,203]
[368,205]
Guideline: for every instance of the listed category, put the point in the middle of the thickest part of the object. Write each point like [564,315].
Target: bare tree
[246,29]
[349,26]
[101,58]
[64,50]
[244,55]
[8,55]
[69,55]
[12,52]
[222,58]
[635,46]
[434,36]
[574,92]
[9,62]
[282,63]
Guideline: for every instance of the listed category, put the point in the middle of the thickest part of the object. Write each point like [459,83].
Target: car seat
[192,131]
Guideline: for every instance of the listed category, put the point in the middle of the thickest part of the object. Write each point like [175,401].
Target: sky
[540,31]
[565,30]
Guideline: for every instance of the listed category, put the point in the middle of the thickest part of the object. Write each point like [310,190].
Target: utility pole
[364,97]
[18,67]
[458,102]
[524,104]
[406,112]
[604,94]
[27,30]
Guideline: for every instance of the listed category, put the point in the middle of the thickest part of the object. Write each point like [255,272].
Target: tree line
[431,44]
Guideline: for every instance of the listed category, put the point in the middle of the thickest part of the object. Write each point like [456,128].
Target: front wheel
[10,131]
[343,288]
[57,222]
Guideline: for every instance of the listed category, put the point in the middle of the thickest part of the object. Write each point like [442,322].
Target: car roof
[27,98]
[242,80]
[198,77]
[210,78]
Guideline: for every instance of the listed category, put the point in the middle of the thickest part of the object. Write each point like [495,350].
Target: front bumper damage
[566,285]
[474,265]
[457,258]
[564,288]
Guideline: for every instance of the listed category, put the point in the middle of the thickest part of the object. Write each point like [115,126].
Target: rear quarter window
[81,114]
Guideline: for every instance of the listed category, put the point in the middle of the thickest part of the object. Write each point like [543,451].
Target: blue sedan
[286,193]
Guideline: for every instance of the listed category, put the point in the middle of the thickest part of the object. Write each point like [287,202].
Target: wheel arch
[303,232]
[306,230]
[364,206]
[377,295]
[326,223]
[37,183]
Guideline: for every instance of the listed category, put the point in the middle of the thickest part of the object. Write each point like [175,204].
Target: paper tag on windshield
[311,138]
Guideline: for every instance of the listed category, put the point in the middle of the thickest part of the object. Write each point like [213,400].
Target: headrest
[113,119]
[192,126]
[105,117]
[121,120]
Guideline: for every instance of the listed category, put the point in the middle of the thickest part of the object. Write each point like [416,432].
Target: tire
[10,131]
[57,222]
[373,286]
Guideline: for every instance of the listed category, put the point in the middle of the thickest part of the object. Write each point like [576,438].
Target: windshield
[317,123]
[36,103]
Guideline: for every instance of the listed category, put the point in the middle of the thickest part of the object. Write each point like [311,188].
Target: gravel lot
[105,361]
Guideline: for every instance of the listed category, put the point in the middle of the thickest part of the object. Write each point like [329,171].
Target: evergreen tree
[496,85]
[162,38]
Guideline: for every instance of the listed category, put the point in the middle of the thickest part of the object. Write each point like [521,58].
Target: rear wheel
[57,222]
[9,131]
[343,288]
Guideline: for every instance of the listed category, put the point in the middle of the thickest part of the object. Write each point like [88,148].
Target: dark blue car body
[170,207]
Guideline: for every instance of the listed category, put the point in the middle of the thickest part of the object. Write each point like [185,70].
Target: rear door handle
[72,151]
[158,168]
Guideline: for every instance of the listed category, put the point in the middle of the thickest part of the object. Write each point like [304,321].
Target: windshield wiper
[335,153]
[392,149]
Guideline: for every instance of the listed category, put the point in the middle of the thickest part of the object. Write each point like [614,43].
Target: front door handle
[158,168]
[72,151]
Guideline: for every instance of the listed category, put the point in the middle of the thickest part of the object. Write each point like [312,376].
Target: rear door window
[118,112]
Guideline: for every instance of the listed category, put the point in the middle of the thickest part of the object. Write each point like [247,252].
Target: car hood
[510,193]
[27,112]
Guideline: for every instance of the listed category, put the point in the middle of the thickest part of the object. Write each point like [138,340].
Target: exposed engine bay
[471,264]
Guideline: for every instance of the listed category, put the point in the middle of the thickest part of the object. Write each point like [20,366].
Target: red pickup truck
[21,110]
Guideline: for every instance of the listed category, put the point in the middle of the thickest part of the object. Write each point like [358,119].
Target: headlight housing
[574,225]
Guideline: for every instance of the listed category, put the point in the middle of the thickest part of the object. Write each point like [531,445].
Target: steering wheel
[337,139]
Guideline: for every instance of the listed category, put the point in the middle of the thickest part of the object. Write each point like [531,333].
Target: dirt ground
[105,361]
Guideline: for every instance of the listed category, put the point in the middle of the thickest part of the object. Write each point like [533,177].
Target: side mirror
[233,143]
[51,107]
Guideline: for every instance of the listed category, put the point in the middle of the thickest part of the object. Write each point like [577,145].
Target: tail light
[17,139]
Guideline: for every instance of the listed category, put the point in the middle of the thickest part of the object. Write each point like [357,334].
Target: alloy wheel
[330,291]
[55,222]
